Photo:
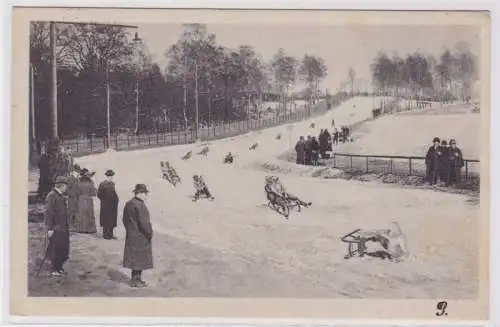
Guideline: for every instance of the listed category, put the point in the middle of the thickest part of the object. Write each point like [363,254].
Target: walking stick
[46,244]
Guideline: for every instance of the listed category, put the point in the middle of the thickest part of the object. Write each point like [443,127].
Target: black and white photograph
[196,154]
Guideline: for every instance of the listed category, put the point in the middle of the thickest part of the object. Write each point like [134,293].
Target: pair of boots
[136,279]
[107,234]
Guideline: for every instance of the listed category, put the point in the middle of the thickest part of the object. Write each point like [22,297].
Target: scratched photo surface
[215,159]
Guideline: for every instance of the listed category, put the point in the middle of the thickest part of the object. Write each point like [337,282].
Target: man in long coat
[138,253]
[109,205]
[432,160]
[456,162]
[56,222]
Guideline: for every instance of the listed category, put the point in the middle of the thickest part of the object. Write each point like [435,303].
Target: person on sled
[201,188]
[229,158]
[274,190]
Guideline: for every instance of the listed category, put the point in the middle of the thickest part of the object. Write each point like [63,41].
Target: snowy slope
[411,135]
[265,255]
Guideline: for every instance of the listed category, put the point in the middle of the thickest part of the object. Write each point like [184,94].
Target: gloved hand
[50,233]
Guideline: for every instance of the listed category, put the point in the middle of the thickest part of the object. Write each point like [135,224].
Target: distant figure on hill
[254,146]
[229,158]
[204,151]
[187,155]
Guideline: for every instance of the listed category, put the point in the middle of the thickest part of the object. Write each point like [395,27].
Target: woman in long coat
[138,253]
[72,193]
[85,220]
[109,205]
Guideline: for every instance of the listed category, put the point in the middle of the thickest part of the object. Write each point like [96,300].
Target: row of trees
[223,84]
[450,77]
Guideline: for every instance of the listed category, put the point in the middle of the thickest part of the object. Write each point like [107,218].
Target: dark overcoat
[433,158]
[299,149]
[109,204]
[56,219]
[138,253]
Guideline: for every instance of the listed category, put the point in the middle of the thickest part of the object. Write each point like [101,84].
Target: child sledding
[169,173]
[279,199]
[201,189]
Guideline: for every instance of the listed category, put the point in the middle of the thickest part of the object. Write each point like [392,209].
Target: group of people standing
[56,161]
[309,151]
[69,192]
[444,162]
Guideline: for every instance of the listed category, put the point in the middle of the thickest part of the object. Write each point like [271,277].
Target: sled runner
[356,242]
[284,205]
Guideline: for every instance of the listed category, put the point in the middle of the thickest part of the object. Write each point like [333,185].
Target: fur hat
[436,139]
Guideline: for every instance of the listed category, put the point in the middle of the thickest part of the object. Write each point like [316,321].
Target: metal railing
[399,165]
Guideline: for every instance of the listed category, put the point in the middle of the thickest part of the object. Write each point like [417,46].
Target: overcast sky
[341,46]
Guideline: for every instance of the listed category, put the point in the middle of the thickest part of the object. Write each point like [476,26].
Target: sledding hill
[236,246]
[411,133]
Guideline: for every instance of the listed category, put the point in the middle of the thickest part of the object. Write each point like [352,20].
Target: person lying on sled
[200,188]
[391,239]
[229,158]
[275,189]
[171,171]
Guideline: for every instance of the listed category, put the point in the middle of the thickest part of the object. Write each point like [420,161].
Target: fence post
[105,142]
[157,138]
[366,164]
[390,166]
[409,164]
[350,157]
[128,140]
[466,169]
[77,149]
[334,160]
[116,142]
[91,143]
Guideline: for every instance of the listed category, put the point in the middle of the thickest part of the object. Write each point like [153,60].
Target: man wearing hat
[56,222]
[109,205]
[456,162]
[138,253]
[432,160]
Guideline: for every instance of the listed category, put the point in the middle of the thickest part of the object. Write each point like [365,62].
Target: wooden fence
[124,141]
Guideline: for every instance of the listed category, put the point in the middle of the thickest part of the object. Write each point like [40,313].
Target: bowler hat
[140,188]
[436,139]
[109,172]
[61,180]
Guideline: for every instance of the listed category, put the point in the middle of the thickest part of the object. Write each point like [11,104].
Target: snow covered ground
[411,133]
[235,246]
